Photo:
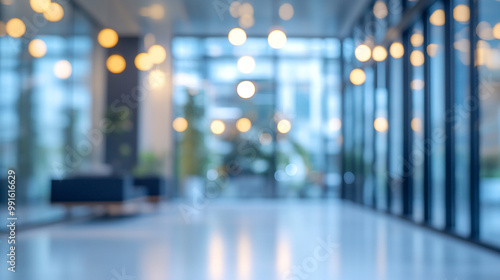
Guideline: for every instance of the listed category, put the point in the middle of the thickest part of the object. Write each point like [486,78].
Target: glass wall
[45,101]
[488,63]
[436,55]
[277,135]
[448,110]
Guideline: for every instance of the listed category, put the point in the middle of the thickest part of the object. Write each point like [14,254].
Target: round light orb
[432,49]
[15,28]
[334,124]
[116,63]
[217,127]
[37,48]
[417,84]
[416,124]
[380,9]
[180,124]
[379,53]
[286,11]
[157,79]
[437,18]
[417,58]
[363,53]
[246,21]
[62,69]
[461,13]
[40,6]
[3,32]
[284,126]
[237,36]
[143,62]
[245,89]
[246,64]
[496,31]
[277,39]
[397,50]
[243,125]
[157,54]
[156,11]
[357,77]
[107,38]
[54,13]
[234,9]
[417,39]
[245,9]
[381,124]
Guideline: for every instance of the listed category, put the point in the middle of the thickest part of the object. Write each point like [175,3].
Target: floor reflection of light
[381,260]
[216,257]
[283,256]
[244,257]
[155,262]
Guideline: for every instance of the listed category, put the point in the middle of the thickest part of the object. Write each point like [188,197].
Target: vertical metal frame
[449,118]
[388,161]
[407,133]
[427,196]
[474,125]
[343,187]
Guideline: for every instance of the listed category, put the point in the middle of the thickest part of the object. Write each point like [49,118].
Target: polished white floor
[239,240]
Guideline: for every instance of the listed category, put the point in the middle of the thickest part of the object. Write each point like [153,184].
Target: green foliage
[192,149]
[149,164]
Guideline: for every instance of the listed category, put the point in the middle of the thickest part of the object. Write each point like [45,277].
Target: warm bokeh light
[417,39]
[245,9]
[334,124]
[246,64]
[237,36]
[245,89]
[116,63]
[234,9]
[40,6]
[180,124]
[379,53]
[243,125]
[217,127]
[3,32]
[416,124]
[157,79]
[397,50]
[380,9]
[284,126]
[363,53]
[143,62]
[380,124]
[157,54]
[461,13]
[37,48]
[54,13]
[496,31]
[417,58]
[62,69]
[286,11]
[437,18]
[15,28]
[156,11]
[432,49]
[107,38]
[265,138]
[483,50]
[417,84]
[246,21]
[277,39]
[357,77]
[484,31]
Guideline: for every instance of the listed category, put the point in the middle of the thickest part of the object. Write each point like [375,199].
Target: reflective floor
[248,240]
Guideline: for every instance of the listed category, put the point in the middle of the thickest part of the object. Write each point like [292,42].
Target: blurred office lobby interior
[221,139]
